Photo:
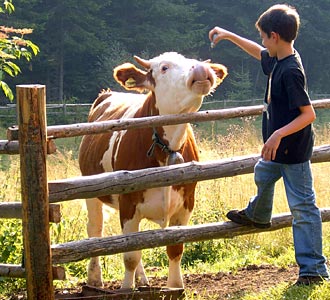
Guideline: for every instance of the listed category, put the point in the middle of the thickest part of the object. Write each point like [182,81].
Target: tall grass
[213,199]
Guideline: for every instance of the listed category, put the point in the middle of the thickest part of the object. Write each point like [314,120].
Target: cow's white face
[179,83]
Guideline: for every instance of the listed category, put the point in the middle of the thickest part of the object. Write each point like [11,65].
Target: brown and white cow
[175,84]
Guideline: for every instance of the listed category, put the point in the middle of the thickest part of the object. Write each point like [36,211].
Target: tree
[81,40]
[313,43]
[13,46]
[153,27]
[241,86]
[238,16]
[71,35]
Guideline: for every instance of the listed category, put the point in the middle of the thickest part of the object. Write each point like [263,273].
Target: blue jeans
[306,225]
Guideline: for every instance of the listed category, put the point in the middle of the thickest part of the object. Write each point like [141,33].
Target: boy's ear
[274,35]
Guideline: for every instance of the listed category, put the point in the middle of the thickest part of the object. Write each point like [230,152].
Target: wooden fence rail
[13,210]
[78,250]
[9,147]
[78,129]
[18,271]
[121,182]
[61,131]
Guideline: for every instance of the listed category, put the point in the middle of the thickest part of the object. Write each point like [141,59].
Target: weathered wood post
[31,105]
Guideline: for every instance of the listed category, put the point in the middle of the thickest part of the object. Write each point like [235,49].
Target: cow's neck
[175,135]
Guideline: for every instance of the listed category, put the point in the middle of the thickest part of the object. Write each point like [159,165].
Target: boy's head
[282,19]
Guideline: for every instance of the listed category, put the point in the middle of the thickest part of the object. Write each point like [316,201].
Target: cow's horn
[144,63]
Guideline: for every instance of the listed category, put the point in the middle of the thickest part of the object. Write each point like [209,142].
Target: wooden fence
[35,142]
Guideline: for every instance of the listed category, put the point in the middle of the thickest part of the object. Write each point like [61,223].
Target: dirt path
[223,286]
[230,286]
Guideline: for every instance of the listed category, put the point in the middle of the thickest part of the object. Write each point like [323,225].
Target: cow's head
[179,83]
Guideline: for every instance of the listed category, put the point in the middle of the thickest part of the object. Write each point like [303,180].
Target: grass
[283,291]
[214,199]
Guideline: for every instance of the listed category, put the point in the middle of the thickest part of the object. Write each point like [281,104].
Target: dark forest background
[81,41]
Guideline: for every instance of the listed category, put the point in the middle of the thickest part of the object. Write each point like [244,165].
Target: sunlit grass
[286,291]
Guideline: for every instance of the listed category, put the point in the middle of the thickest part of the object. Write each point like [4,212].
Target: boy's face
[270,43]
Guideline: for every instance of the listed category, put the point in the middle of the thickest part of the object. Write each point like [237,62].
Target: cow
[167,84]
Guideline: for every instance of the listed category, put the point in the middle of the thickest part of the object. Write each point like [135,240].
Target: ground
[223,286]
[250,279]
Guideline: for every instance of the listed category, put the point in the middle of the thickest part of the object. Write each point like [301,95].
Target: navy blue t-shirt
[288,92]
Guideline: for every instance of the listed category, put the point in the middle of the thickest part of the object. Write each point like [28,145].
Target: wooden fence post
[31,104]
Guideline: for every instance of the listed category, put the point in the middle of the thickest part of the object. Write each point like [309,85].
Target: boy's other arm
[250,47]
[306,117]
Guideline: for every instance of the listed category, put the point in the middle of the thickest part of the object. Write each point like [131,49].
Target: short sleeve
[267,62]
[295,87]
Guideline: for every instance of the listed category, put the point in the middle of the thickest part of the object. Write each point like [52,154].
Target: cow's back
[134,143]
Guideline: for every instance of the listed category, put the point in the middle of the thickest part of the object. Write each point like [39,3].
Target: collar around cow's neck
[156,140]
[174,157]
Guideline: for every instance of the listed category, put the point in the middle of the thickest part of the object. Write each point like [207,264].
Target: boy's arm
[250,47]
[306,117]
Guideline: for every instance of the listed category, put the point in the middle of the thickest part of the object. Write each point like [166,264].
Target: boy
[288,139]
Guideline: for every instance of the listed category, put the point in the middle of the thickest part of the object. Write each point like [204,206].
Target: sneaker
[309,280]
[239,217]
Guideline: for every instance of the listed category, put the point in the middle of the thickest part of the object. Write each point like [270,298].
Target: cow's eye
[164,68]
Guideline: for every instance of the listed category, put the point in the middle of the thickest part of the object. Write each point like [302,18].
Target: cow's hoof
[140,281]
[95,283]
[175,283]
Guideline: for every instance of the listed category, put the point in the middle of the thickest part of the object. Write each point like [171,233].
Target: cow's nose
[200,72]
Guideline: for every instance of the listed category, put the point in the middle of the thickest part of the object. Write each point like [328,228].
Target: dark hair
[282,19]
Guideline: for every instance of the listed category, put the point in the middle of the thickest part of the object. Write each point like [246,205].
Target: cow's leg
[132,260]
[130,221]
[174,271]
[94,229]
[140,275]
[175,252]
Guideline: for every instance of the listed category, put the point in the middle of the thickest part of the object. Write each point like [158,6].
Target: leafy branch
[13,46]
[7,6]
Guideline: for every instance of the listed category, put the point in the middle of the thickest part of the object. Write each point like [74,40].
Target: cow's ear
[220,71]
[130,77]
